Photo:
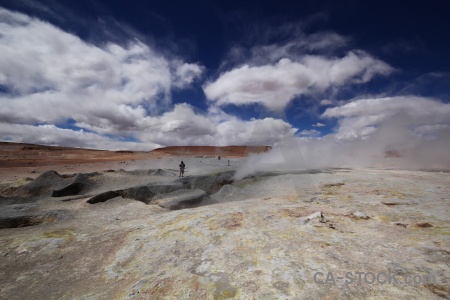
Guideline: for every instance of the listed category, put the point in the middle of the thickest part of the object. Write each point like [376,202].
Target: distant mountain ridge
[212,150]
[28,155]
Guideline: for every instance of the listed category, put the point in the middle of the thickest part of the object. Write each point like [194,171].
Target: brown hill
[14,155]
[227,151]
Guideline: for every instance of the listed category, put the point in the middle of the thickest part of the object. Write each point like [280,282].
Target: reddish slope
[14,155]
[227,151]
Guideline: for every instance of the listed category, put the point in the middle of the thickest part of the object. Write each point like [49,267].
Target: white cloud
[275,85]
[116,92]
[266,131]
[183,126]
[417,128]
[325,102]
[113,91]
[302,44]
[312,132]
[185,74]
[360,118]
[52,135]
[431,130]
[52,76]
[418,106]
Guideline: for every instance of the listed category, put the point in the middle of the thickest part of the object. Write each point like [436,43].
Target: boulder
[103,197]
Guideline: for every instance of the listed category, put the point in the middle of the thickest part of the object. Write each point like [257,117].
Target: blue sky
[143,74]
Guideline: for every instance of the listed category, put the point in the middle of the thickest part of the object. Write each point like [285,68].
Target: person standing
[182,166]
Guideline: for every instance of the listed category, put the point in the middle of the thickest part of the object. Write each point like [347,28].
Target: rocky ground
[133,229]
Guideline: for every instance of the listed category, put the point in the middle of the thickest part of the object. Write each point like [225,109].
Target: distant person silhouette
[182,166]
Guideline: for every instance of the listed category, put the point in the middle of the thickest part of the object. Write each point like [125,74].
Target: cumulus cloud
[55,136]
[272,74]
[114,93]
[360,118]
[276,85]
[52,76]
[266,131]
[185,126]
[312,132]
[185,74]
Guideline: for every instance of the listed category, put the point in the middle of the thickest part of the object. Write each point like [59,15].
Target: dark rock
[144,193]
[70,190]
[81,184]
[43,184]
[103,197]
[424,225]
[388,203]
[18,220]
[147,192]
[141,193]
[208,183]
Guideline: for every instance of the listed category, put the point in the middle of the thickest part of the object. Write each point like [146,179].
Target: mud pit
[265,236]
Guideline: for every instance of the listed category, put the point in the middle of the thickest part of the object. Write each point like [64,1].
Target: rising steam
[394,144]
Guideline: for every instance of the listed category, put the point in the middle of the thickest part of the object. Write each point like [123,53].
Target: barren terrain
[20,159]
[122,225]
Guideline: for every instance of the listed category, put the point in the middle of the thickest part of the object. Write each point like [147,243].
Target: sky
[137,75]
